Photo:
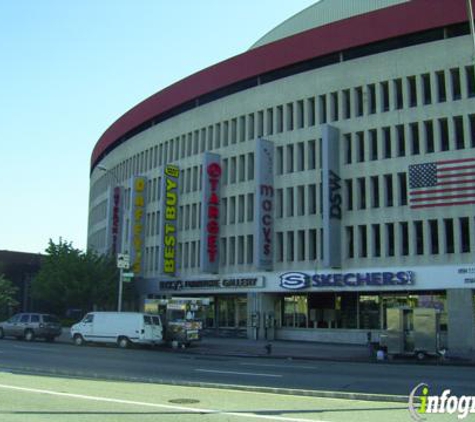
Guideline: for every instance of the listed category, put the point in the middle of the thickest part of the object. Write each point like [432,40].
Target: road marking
[238,373]
[277,366]
[156,405]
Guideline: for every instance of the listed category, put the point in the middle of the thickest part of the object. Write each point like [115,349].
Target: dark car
[29,326]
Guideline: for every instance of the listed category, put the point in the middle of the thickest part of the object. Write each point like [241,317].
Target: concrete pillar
[261,316]
[461,321]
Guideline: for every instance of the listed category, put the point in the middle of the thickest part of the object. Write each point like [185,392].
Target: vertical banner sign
[115,218]
[264,205]
[137,221]
[209,245]
[331,197]
[168,220]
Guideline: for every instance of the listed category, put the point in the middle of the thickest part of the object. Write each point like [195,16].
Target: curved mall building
[310,183]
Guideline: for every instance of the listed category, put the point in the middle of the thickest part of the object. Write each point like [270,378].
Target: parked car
[29,326]
[121,328]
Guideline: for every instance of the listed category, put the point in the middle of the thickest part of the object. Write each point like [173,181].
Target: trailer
[413,331]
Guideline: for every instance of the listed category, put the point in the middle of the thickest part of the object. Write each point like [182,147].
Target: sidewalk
[281,349]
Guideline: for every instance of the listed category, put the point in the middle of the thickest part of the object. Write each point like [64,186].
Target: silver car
[29,326]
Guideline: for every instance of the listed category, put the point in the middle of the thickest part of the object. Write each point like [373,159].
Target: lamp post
[122,260]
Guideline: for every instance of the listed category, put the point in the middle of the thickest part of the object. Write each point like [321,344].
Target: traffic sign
[123,261]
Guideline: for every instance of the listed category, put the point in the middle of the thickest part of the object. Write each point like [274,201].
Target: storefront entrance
[227,316]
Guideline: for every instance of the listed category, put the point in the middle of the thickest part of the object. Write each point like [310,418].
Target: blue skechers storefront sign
[299,280]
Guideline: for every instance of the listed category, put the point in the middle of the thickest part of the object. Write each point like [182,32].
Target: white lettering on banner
[267,195]
[335,196]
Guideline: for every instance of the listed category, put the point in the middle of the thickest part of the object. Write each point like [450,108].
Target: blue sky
[69,69]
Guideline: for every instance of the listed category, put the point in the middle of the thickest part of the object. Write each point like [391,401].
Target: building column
[261,316]
[461,313]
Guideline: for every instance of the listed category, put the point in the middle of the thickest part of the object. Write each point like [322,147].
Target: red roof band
[390,22]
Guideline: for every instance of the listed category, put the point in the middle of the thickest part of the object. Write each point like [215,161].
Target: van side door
[87,326]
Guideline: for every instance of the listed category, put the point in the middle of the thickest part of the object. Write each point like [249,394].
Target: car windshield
[50,318]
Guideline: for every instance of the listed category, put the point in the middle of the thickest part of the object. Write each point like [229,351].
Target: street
[168,366]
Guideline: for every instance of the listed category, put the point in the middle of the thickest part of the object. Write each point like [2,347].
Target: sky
[69,69]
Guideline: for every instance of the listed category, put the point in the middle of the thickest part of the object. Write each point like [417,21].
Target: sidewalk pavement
[282,349]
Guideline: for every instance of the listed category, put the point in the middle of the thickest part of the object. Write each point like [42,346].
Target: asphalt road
[166,365]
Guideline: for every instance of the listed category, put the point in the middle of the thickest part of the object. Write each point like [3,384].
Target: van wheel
[79,340]
[29,335]
[420,355]
[123,342]
[2,334]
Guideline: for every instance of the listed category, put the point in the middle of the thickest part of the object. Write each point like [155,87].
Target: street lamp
[121,266]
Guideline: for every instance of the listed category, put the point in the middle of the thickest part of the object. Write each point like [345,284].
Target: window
[312,155]
[419,237]
[390,239]
[290,116]
[375,228]
[456,89]
[279,203]
[270,121]
[415,141]
[374,180]
[402,184]
[350,242]
[464,235]
[441,90]
[349,194]
[449,235]
[301,245]
[470,77]
[346,104]
[426,89]
[401,141]
[384,96]
[472,129]
[363,241]
[388,184]
[280,247]
[459,135]
[280,160]
[300,200]
[250,249]
[372,99]
[323,108]
[334,106]
[360,138]
[250,126]
[280,119]
[300,114]
[312,199]
[348,154]
[289,158]
[300,156]
[260,123]
[373,136]
[412,88]
[434,237]
[404,232]
[429,136]
[250,207]
[312,244]
[290,246]
[444,135]
[398,96]
[289,200]
[35,318]
[311,111]
[387,142]
[362,193]
[359,101]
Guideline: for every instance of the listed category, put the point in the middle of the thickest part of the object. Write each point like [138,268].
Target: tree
[7,296]
[72,279]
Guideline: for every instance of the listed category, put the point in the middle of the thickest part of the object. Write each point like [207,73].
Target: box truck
[121,328]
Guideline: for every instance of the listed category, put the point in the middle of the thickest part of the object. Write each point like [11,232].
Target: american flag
[442,183]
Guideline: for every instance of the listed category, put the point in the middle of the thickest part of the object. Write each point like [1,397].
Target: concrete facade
[394,105]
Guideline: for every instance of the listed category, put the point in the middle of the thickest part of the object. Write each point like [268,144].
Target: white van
[121,328]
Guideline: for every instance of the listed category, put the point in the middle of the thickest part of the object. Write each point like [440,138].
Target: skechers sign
[298,280]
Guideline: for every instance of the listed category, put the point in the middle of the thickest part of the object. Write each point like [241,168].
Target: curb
[270,390]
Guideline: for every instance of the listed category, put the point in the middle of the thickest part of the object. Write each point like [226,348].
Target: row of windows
[397,94]
[411,91]
[429,237]
[413,139]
